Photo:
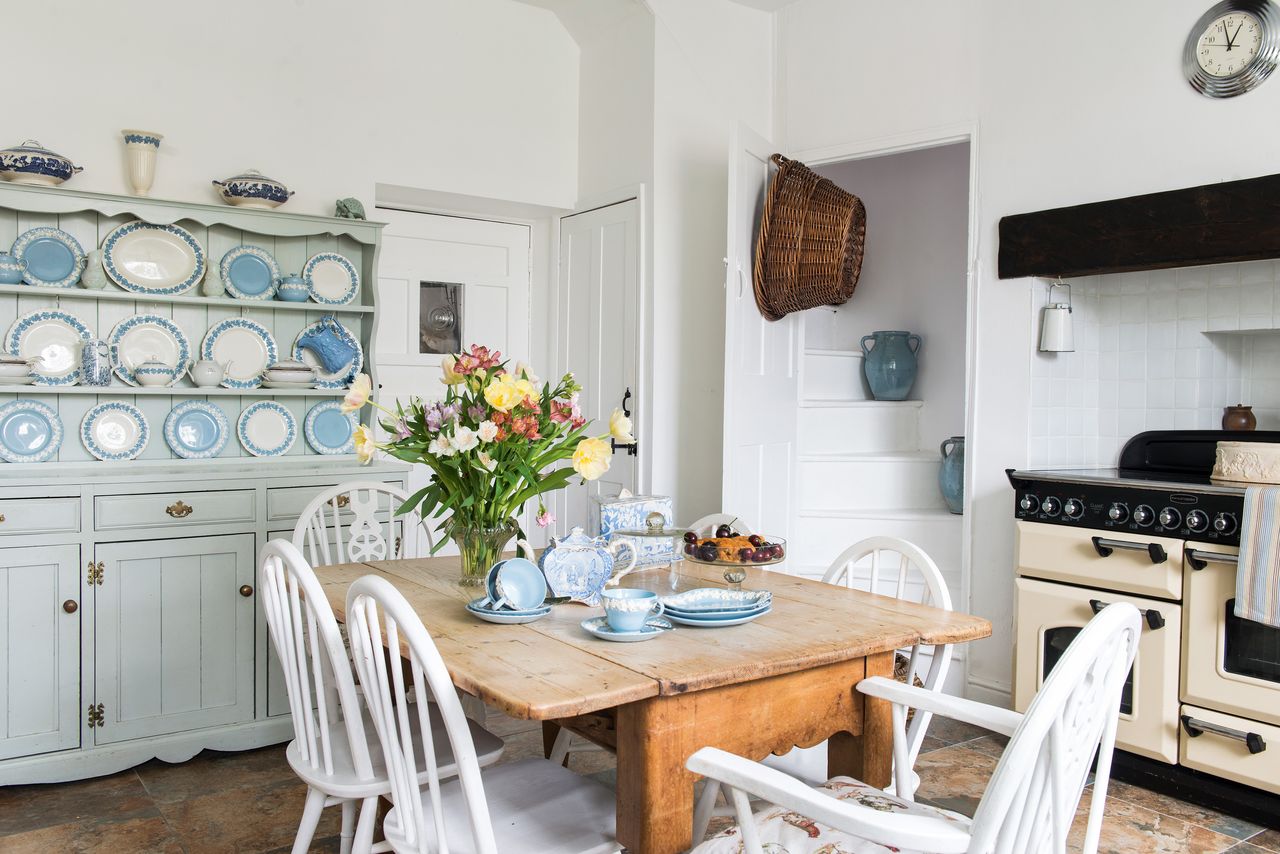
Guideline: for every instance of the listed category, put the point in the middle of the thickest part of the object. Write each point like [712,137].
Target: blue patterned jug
[95,363]
[890,365]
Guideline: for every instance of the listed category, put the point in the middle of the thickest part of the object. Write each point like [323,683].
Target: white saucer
[718,624]
[287,384]
[27,380]
[654,626]
[507,618]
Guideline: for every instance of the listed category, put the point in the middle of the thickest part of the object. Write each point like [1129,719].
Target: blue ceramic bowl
[292,289]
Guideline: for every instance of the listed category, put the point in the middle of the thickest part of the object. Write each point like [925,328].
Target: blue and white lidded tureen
[292,288]
[32,163]
[11,269]
[580,567]
[252,189]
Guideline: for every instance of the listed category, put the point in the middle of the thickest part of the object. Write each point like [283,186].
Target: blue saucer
[599,626]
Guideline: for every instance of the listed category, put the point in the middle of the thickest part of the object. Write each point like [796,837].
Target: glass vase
[481,547]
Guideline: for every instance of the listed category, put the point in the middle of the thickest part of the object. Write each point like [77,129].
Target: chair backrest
[1031,800]
[378,614]
[317,673]
[892,565]
[321,535]
[706,526]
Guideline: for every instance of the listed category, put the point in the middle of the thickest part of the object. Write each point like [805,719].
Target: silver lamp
[1056,335]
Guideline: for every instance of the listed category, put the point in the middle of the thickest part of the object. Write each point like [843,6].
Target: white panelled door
[490,260]
[761,379]
[598,318]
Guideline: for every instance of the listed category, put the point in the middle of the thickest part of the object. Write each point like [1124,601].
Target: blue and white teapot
[580,567]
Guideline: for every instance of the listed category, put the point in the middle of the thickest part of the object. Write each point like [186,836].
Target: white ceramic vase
[140,147]
[212,285]
[94,276]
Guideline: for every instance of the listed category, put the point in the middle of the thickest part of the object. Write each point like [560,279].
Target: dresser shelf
[175,391]
[156,299]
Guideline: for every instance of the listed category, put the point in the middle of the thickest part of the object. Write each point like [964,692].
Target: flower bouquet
[493,444]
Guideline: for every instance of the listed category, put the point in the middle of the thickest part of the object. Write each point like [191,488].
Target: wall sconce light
[1056,335]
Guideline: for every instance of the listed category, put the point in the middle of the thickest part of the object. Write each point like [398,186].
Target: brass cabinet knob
[1,517]
[343,500]
[178,510]
[70,606]
[246,590]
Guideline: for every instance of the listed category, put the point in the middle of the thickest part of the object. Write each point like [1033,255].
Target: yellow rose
[451,377]
[591,459]
[526,389]
[365,446]
[620,427]
[502,395]
[357,394]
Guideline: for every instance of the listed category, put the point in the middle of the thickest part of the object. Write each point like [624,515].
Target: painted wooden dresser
[129,625]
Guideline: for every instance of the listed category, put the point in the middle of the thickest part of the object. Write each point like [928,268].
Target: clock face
[1229,44]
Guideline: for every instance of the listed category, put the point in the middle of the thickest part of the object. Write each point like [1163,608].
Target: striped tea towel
[1258,573]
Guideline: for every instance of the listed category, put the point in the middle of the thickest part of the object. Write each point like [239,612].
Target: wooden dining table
[785,679]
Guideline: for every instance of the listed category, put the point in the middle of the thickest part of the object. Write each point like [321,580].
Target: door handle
[1198,560]
[1104,547]
[1153,617]
[1196,728]
[629,447]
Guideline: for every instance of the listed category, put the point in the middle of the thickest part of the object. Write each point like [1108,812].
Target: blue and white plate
[250,273]
[712,599]
[245,346]
[53,338]
[114,430]
[331,278]
[654,626]
[144,337]
[344,375]
[54,258]
[196,430]
[329,430]
[723,622]
[506,618]
[30,432]
[484,603]
[266,429]
[148,258]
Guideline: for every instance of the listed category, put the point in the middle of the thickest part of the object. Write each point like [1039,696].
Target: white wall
[913,273]
[465,96]
[1067,111]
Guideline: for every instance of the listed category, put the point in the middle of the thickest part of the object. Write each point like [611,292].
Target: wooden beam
[1212,224]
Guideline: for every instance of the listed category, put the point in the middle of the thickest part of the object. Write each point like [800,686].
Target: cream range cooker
[1200,712]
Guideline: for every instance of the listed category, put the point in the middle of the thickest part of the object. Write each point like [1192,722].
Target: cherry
[688,548]
[690,537]
[724,531]
[756,540]
[709,552]
[759,556]
[777,552]
[745,554]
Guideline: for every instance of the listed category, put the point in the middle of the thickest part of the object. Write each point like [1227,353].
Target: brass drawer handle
[70,606]
[178,510]
[246,590]
[343,500]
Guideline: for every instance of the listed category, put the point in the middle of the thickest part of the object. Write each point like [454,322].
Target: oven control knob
[1144,515]
[1051,506]
[1073,509]
[1029,503]
[1170,518]
[1225,523]
[1197,520]
[1119,512]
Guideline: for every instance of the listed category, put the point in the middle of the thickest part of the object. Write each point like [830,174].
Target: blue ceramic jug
[95,363]
[330,346]
[951,474]
[890,365]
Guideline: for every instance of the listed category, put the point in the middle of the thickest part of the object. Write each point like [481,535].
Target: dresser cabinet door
[39,650]
[174,635]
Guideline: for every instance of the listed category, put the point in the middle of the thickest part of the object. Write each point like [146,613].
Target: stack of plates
[714,607]
[15,370]
[289,374]
[484,609]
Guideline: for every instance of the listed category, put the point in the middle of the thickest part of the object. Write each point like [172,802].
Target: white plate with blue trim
[506,618]
[716,623]
[654,626]
[249,272]
[331,278]
[245,345]
[266,429]
[114,430]
[196,430]
[144,337]
[52,338]
[329,430]
[340,378]
[30,432]
[54,258]
[150,258]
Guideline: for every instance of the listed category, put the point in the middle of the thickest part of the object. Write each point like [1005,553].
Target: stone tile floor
[250,802]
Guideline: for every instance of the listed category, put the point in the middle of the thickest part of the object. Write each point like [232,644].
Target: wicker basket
[811,241]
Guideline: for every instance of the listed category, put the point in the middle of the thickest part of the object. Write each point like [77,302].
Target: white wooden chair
[1029,804]
[893,567]
[530,805]
[323,536]
[333,750]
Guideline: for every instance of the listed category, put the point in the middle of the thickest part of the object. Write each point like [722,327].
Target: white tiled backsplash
[1159,350]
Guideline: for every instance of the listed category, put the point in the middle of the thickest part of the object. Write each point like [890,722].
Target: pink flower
[546,518]
[401,429]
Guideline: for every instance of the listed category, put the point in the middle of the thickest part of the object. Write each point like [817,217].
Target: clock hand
[1226,35]
[1237,32]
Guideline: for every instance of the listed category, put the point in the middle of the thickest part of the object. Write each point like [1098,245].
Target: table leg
[550,729]
[655,791]
[867,757]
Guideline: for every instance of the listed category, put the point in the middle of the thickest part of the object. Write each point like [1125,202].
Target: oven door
[1228,664]
[1049,618]
[1128,561]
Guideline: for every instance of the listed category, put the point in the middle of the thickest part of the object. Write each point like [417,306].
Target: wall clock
[1233,47]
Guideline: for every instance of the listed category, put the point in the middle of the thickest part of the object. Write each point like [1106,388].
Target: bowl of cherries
[730,548]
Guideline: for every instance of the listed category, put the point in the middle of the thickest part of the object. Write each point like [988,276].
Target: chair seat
[345,783]
[793,833]
[534,805]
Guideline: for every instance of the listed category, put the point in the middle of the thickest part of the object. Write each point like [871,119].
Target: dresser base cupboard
[128,633]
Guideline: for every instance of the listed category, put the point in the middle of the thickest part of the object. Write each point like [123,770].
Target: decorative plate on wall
[331,278]
[245,346]
[146,258]
[249,272]
[54,258]
[53,337]
[266,429]
[144,337]
[329,430]
[30,432]
[196,430]
[114,430]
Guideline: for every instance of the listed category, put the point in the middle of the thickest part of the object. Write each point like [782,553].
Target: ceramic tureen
[252,189]
[32,163]
[579,566]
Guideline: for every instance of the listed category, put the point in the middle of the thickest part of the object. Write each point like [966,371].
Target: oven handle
[1199,560]
[1104,547]
[1196,728]
[1153,617]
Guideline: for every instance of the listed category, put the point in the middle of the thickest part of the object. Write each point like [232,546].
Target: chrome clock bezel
[1259,68]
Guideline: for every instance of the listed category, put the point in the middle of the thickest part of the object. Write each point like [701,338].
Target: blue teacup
[515,584]
[627,609]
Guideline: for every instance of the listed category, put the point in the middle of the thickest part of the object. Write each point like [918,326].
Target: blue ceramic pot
[951,474]
[292,289]
[890,364]
[11,269]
